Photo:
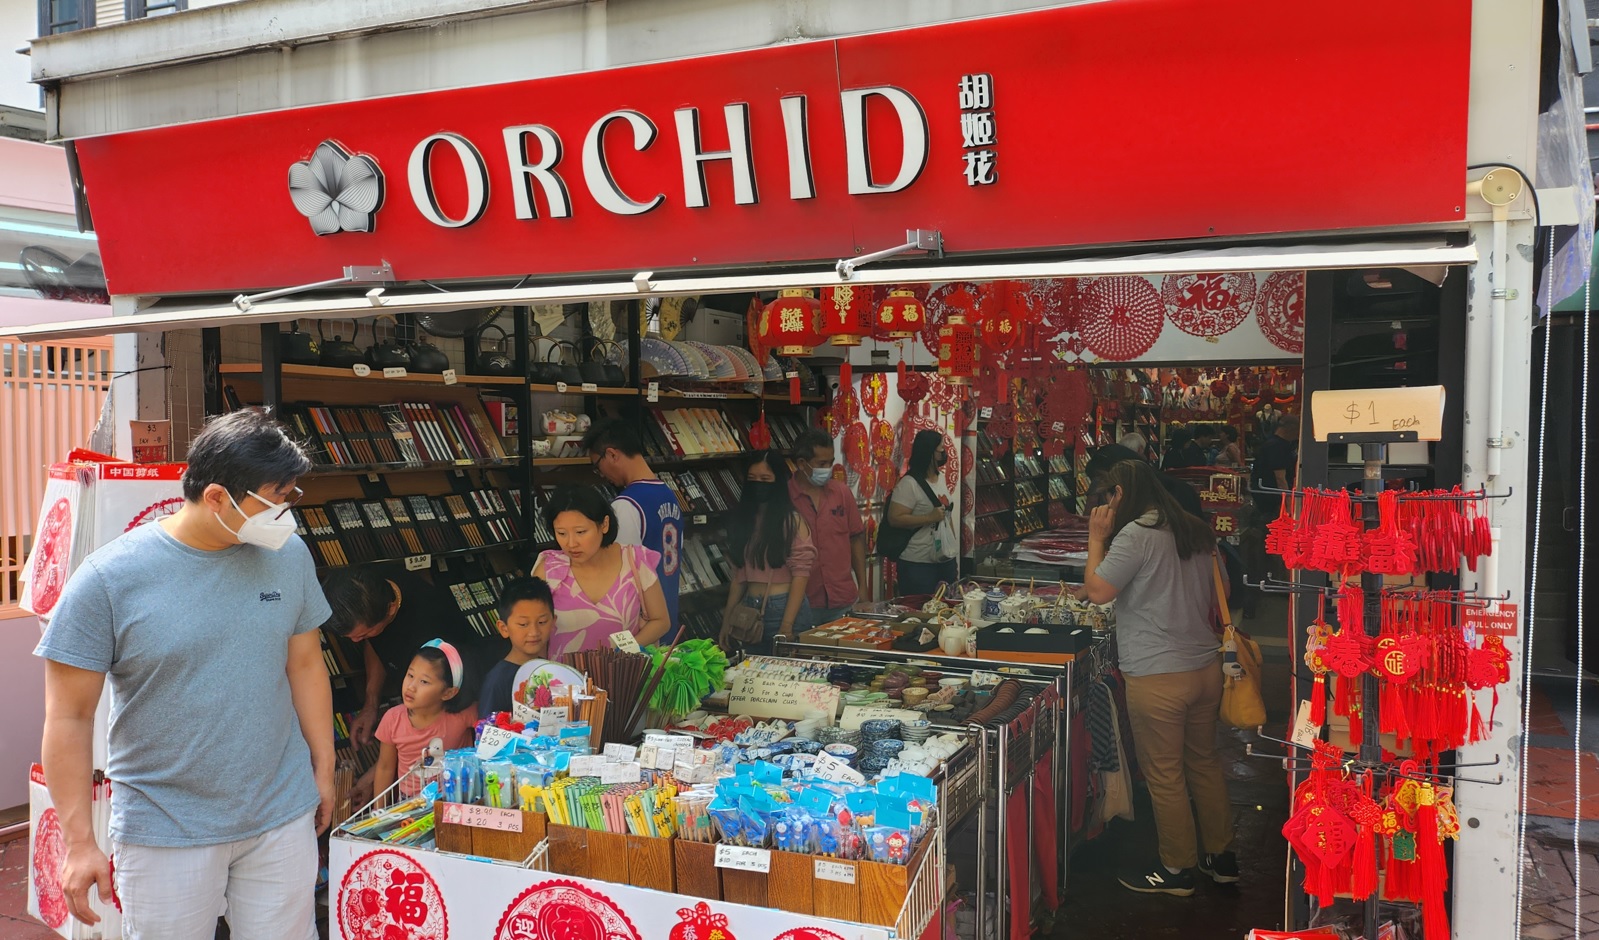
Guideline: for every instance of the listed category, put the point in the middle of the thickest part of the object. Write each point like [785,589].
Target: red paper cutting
[1121,317]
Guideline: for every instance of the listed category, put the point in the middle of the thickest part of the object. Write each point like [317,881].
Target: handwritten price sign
[483,817]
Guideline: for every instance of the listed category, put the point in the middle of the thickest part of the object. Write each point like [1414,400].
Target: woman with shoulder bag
[772,555]
[919,503]
[1157,562]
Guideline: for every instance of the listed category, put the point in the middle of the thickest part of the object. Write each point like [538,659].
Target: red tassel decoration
[1318,700]
[1367,817]
[793,388]
[846,374]
[900,369]
[1430,861]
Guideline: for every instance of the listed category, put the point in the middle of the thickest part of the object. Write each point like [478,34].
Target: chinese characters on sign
[977,129]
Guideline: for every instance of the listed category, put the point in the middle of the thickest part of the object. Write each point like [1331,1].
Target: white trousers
[266,885]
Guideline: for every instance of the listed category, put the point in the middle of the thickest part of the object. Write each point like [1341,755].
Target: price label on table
[621,752]
[526,714]
[653,393]
[625,641]
[418,562]
[840,872]
[361,369]
[834,770]
[615,772]
[394,372]
[743,858]
[493,742]
[483,817]
[590,387]
[585,765]
[553,719]
[449,376]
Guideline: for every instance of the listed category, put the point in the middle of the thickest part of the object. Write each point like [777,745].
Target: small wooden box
[569,850]
[488,843]
[744,887]
[835,897]
[790,887]
[697,874]
[651,863]
[608,857]
[884,887]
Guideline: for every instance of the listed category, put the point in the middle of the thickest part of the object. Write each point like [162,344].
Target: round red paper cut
[49,854]
[807,933]
[874,393]
[388,894]
[154,511]
[1056,301]
[55,547]
[1281,310]
[882,440]
[1121,317]
[564,910]
[701,923]
[887,476]
[857,448]
[1207,304]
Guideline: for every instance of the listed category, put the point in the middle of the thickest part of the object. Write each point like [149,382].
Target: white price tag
[621,752]
[449,376]
[372,478]
[394,372]
[835,770]
[701,520]
[493,742]
[650,756]
[560,386]
[483,817]
[590,387]
[619,772]
[361,369]
[840,872]
[553,719]
[625,641]
[418,562]
[743,858]
[1305,731]
[586,765]
[653,392]
[526,714]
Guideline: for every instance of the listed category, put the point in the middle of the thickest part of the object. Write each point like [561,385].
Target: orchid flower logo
[337,190]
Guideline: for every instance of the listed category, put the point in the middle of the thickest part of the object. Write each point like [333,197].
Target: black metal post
[1370,690]
[524,423]
[211,369]
[271,368]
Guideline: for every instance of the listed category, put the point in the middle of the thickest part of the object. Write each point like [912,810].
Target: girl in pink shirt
[432,710]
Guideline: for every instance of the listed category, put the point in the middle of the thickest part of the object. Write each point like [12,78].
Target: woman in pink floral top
[600,587]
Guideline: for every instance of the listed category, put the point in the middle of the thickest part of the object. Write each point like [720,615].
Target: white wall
[19,21]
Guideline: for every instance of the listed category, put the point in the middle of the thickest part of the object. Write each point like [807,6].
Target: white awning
[1413,252]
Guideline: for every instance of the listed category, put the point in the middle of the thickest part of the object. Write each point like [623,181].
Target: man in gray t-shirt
[221,739]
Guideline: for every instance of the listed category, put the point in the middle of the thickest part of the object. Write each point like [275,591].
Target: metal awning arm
[916,239]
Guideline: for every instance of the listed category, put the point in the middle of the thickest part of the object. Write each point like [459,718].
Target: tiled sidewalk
[1549,907]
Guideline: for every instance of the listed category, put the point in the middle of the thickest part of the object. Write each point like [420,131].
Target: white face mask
[821,475]
[270,529]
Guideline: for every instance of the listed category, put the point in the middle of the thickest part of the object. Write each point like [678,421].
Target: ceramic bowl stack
[833,734]
[875,757]
[915,732]
[879,729]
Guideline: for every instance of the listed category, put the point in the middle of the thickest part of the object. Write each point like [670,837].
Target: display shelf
[613,390]
[387,469]
[247,369]
[561,461]
[453,553]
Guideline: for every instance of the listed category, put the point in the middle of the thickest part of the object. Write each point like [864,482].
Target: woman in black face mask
[771,551]
[920,503]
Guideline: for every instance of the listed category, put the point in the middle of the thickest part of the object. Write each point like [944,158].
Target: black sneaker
[1157,880]
[1221,867]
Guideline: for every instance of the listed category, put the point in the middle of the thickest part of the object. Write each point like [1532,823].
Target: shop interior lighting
[916,239]
[353,274]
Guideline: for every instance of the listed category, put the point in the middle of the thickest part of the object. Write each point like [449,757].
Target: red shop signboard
[1090,124]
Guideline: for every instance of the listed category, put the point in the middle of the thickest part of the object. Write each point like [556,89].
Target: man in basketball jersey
[647,511]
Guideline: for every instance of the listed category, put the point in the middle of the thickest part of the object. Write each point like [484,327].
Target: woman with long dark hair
[1157,562]
[919,502]
[771,551]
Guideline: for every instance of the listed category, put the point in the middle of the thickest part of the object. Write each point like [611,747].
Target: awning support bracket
[353,274]
[916,239]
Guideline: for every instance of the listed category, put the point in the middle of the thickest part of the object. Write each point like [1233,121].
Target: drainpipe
[1499,188]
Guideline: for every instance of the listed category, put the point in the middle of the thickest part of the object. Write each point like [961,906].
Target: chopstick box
[884,887]
[608,856]
[469,831]
[697,874]
[791,885]
[650,863]
[569,850]
[835,888]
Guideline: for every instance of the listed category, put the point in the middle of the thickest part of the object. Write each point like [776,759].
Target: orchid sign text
[341,192]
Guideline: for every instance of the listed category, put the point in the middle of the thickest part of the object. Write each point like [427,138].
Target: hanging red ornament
[857,448]
[846,314]
[955,298]
[874,394]
[1003,308]
[760,434]
[788,324]
[752,329]
[913,387]
[900,315]
[958,353]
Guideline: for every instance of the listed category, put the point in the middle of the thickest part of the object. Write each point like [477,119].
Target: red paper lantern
[788,324]
[958,355]
[846,314]
[901,315]
[1005,306]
